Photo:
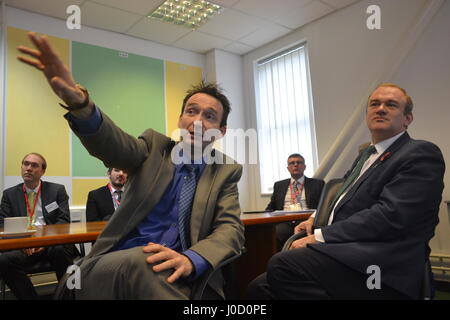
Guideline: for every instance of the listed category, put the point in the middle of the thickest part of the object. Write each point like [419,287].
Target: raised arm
[47,60]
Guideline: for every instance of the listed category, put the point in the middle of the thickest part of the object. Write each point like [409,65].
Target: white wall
[346,59]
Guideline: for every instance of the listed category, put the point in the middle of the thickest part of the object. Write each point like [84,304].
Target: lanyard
[295,195]
[116,201]
[31,216]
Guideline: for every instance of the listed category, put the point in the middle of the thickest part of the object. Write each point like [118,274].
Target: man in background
[102,202]
[297,193]
[43,203]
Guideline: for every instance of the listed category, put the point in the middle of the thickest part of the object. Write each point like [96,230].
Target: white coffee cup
[15,224]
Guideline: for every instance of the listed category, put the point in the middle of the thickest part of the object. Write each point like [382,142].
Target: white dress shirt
[39,221]
[289,196]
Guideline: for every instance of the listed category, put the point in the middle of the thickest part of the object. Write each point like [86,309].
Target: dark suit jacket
[100,206]
[313,190]
[388,217]
[13,203]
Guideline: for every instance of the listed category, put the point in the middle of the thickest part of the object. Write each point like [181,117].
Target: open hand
[169,259]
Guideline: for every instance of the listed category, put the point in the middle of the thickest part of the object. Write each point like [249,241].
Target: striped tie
[185,204]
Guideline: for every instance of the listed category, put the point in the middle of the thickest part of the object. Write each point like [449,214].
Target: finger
[175,276]
[168,264]
[309,229]
[32,52]
[34,63]
[160,256]
[154,247]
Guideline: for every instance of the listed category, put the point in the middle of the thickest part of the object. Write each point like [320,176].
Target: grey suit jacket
[216,229]
[13,203]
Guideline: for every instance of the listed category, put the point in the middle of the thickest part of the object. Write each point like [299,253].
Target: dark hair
[296,155]
[213,90]
[44,162]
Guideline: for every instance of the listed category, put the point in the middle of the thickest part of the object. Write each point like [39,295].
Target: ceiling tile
[269,9]
[301,16]
[339,3]
[142,7]
[265,35]
[99,16]
[52,8]
[150,29]
[238,48]
[225,3]
[201,42]
[231,24]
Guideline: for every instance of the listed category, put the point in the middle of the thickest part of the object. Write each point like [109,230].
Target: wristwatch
[81,105]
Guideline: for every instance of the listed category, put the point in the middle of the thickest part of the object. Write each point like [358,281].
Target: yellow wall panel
[34,120]
[81,188]
[179,79]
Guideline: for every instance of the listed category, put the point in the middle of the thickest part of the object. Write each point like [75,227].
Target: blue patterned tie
[185,204]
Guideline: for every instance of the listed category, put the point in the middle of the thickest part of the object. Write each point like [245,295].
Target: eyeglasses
[34,165]
[291,163]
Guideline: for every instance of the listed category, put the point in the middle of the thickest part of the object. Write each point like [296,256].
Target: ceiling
[242,25]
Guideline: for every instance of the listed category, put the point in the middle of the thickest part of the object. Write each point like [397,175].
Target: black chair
[322,215]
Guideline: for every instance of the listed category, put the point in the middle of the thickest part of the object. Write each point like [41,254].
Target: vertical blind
[284,115]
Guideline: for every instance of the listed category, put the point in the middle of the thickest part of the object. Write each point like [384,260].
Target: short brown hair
[44,162]
[213,90]
[409,103]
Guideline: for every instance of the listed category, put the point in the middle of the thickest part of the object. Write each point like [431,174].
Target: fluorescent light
[188,13]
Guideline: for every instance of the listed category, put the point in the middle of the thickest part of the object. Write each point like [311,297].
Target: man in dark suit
[43,203]
[102,202]
[375,245]
[180,217]
[297,193]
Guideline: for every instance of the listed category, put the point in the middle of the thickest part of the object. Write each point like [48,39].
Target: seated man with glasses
[296,193]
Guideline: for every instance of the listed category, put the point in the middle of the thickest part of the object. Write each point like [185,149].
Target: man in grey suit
[179,220]
[375,245]
[43,203]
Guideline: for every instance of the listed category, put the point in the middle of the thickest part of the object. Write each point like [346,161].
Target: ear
[223,130]
[408,119]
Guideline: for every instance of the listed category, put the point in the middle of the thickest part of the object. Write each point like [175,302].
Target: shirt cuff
[85,126]
[318,235]
[200,264]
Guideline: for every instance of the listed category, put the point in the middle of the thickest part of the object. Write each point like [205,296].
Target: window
[285,117]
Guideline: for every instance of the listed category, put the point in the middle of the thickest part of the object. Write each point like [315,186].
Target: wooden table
[55,234]
[260,244]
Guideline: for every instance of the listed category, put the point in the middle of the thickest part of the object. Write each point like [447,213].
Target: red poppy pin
[385,156]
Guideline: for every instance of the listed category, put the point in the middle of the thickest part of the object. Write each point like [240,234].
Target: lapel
[44,198]
[107,199]
[307,190]
[20,199]
[201,199]
[281,194]
[379,162]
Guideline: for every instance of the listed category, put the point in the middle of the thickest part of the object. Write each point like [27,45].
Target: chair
[323,209]
[322,215]
[231,289]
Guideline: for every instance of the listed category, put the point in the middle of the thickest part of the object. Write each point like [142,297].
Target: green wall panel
[130,90]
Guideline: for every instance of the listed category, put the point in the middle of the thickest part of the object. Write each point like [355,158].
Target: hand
[305,225]
[58,75]
[171,260]
[301,243]
[31,251]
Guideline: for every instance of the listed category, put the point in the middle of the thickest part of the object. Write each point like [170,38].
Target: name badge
[52,206]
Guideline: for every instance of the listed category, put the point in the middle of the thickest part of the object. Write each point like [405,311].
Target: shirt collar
[300,180]
[385,144]
[28,190]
